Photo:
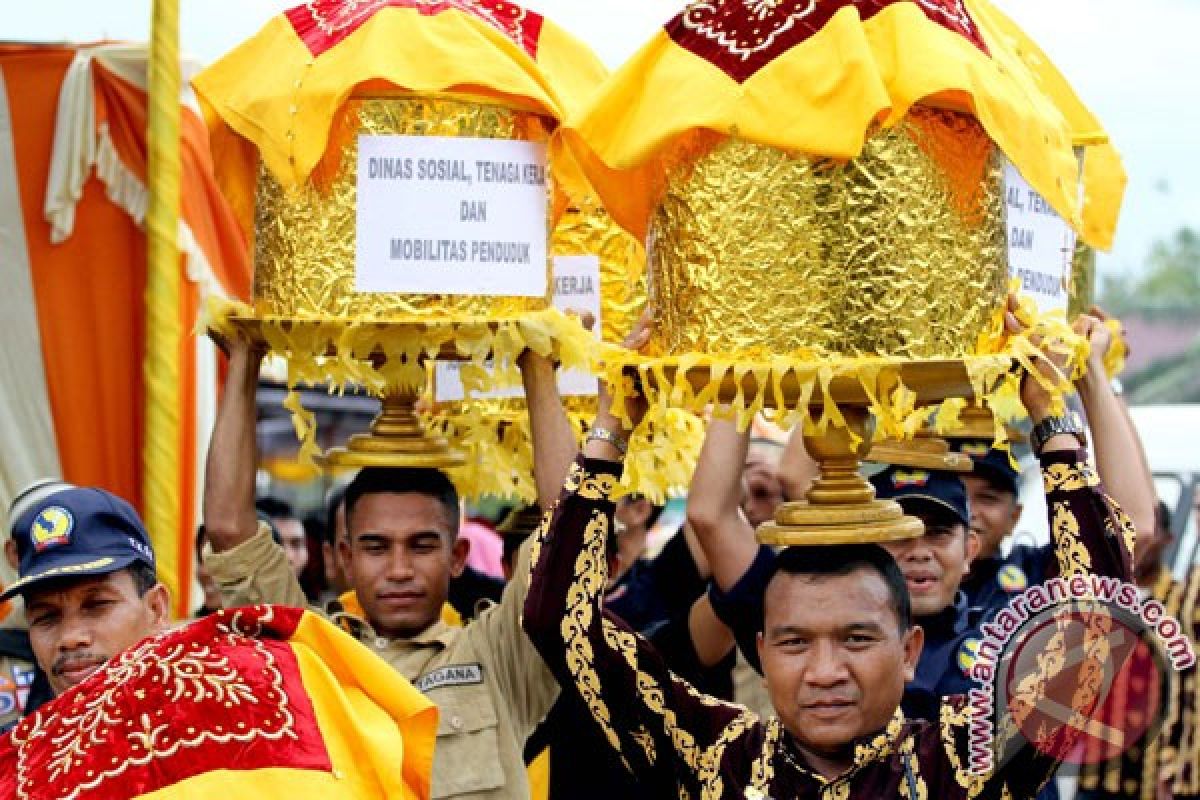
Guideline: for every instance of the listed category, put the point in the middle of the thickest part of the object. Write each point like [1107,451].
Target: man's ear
[158,601]
[10,553]
[973,545]
[914,641]
[1016,514]
[458,555]
[343,549]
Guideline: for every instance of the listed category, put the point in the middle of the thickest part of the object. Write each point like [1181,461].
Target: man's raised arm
[246,563]
[1092,537]
[658,725]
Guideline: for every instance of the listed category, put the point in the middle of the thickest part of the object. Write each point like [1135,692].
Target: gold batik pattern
[1073,557]
[955,722]
[712,786]
[1069,477]
[582,596]
[763,770]
[588,486]
[882,743]
[912,767]
[1119,524]
[535,549]
[645,740]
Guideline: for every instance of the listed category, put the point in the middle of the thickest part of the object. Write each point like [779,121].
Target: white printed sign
[1041,244]
[576,289]
[449,215]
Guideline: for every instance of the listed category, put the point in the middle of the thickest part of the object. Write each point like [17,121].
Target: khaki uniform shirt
[490,686]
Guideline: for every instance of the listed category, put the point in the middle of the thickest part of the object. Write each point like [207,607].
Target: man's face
[401,555]
[77,625]
[834,657]
[762,491]
[994,513]
[934,564]
[295,543]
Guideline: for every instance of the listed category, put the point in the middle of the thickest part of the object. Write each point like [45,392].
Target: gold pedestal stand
[397,438]
[841,504]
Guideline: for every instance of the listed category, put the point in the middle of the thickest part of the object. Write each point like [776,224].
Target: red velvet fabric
[325,23]
[740,37]
[222,693]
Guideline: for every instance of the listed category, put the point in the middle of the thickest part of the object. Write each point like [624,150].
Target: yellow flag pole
[163,444]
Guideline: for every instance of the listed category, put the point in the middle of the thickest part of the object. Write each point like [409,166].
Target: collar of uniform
[883,744]
[948,622]
[869,750]
[437,633]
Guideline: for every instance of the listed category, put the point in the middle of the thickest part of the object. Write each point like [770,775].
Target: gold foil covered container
[587,229]
[1083,280]
[304,248]
[494,433]
[899,253]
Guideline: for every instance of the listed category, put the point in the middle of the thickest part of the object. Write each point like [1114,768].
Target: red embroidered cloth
[323,24]
[222,693]
[742,36]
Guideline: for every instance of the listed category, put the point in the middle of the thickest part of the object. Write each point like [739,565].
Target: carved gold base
[397,439]
[841,507]
[926,451]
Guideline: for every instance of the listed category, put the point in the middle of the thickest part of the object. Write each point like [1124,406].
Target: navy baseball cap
[942,489]
[70,532]
[991,464]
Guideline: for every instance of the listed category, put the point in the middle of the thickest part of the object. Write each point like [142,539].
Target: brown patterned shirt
[681,743]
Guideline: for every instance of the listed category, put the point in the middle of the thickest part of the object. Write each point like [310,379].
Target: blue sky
[1135,64]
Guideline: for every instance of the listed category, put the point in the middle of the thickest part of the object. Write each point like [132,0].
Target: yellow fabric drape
[164,334]
[283,115]
[1104,177]
[822,97]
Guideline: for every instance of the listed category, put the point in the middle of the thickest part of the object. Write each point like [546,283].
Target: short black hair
[842,559]
[144,577]
[405,480]
[333,501]
[275,508]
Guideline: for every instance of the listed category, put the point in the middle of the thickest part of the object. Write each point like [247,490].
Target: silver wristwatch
[1047,429]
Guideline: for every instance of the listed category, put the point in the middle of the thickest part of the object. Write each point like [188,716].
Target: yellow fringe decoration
[496,438]
[898,416]
[1114,359]
[341,354]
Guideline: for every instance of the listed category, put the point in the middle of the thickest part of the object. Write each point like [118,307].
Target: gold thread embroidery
[582,601]
[185,673]
[914,764]
[955,720]
[763,771]
[1069,477]
[1073,557]
[709,776]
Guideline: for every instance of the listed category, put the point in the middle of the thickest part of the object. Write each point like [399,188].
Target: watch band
[1047,429]
[605,435]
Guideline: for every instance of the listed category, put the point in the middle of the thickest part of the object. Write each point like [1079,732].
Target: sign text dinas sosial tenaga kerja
[450,215]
